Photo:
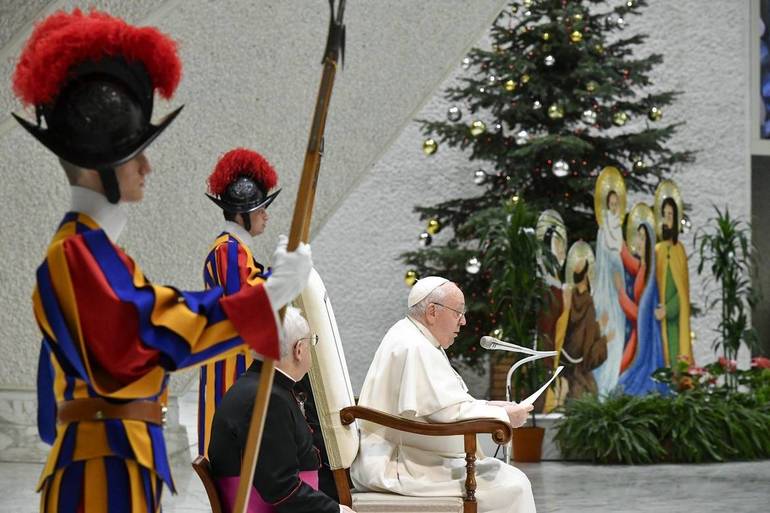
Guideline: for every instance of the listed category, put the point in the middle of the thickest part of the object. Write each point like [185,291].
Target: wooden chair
[338,414]
[202,467]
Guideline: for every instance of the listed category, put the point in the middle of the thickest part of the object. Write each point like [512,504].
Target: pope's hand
[290,273]
[518,413]
[345,509]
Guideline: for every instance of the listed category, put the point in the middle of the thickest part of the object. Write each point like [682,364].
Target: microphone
[493,344]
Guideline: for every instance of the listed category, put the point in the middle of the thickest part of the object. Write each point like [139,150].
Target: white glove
[290,273]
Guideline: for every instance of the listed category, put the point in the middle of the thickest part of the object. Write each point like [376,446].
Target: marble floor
[558,487]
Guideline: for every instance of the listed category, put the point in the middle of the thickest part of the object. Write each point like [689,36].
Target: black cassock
[287,446]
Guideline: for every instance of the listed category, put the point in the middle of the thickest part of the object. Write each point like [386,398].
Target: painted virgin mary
[643,353]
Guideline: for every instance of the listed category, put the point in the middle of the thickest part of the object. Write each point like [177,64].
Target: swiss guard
[110,336]
[240,185]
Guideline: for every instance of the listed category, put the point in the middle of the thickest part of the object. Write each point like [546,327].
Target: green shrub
[691,427]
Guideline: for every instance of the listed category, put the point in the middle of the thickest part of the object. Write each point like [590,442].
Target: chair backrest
[202,467]
[329,376]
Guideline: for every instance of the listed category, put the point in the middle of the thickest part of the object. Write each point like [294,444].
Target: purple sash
[228,490]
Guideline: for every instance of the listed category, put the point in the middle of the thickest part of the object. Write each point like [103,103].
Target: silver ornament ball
[560,168]
[589,116]
[473,266]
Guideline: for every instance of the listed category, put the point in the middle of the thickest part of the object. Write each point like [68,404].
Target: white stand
[533,355]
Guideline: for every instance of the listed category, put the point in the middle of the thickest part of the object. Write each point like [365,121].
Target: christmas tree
[560,95]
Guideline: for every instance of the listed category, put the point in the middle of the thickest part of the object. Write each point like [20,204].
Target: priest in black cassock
[286,478]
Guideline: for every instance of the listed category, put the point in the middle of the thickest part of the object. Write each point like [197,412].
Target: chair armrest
[501,431]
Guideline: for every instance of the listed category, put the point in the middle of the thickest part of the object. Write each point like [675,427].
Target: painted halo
[551,218]
[610,179]
[640,213]
[667,189]
[579,253]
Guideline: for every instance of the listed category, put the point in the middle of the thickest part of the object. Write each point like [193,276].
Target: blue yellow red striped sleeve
[231,266]
[108,321]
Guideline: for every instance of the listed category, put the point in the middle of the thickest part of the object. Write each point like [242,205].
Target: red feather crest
[63,40]
[242,161]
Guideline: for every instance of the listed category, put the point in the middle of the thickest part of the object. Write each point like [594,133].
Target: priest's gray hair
[437,295]
[295,327]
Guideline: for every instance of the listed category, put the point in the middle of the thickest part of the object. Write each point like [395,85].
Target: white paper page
[532,398]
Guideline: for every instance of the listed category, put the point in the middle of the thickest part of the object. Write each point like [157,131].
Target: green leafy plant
[618,429]
[508,246]
[724,248]
[701,420]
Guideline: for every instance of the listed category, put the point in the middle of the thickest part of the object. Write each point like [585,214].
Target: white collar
[110,217]
[278,369]
[425,331]
[239,232]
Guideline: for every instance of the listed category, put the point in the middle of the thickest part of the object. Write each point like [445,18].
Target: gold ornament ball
[527,3]
[620,118]
[510,85]
[411,277]
[477,128]
[524,78]
[555,111]
[434,226]
[599,49]
[429,146]
[577,17]
[576,36]
[591,86]
[497,333]
[655,114]
[546,36]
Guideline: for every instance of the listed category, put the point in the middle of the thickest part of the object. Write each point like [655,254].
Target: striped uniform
[109,333]
[230,265]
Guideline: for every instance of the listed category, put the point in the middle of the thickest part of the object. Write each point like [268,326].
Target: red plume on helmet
[64,40]
[242,162]
[92,77]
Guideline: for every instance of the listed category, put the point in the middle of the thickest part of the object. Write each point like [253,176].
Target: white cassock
[410,376]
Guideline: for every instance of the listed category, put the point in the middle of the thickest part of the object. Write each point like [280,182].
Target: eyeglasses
[460,313]
[312,338]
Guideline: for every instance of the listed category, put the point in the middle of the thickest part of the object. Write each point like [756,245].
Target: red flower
[697,371]
[760,362]
[728,365]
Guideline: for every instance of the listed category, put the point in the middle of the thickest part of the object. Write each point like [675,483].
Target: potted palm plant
[509,247]
[724,248]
